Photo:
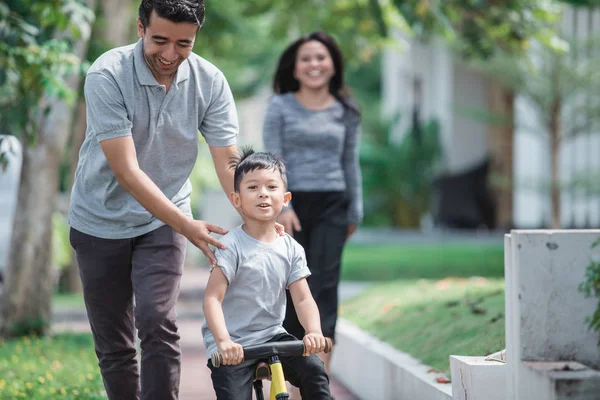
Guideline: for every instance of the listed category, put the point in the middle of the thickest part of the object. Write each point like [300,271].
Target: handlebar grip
[328,345]
[216,359]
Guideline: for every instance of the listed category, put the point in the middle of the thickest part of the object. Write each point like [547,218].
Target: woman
[313,124]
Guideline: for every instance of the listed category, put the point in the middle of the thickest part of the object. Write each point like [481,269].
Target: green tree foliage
[590,287]
[35,60]
[397,175]
[245,38]
[482,28]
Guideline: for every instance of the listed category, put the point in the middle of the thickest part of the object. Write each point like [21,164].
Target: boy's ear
[287,197]
[235,199]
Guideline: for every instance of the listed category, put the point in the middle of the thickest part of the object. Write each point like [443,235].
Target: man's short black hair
[249,161]
[191,11]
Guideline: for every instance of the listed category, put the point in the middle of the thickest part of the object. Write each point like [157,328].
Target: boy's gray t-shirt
[124,99]
[258,274]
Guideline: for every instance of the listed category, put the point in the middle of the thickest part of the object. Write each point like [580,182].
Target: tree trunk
[29,277]
[116,27]
[554,160]
[25,305]
[26,300]
[501,148]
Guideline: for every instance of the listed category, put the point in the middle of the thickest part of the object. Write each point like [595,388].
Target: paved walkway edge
[373,369]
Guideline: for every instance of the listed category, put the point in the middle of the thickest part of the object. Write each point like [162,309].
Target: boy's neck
[263,231]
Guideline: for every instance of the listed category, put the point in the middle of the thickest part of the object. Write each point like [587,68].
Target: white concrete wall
[382,372]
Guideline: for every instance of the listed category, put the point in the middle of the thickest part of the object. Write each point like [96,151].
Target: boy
[245,298]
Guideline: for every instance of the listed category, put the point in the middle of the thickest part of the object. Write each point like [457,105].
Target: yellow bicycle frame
[278,387]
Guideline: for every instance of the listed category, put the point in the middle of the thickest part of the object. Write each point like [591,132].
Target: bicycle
[270,365]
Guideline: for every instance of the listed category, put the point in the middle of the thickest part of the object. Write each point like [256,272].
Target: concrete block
[474,378]
[559,381]
[544,306]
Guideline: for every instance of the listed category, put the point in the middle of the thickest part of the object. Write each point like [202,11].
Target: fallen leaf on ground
[442,379]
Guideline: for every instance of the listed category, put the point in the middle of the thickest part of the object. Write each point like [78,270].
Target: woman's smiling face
[314,66]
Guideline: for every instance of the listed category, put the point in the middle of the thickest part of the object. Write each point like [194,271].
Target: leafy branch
[590,287]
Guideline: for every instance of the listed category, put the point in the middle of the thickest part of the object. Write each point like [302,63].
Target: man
[130,210]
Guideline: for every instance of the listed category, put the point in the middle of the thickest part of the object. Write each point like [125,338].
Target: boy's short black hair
[249,161]
[191,11]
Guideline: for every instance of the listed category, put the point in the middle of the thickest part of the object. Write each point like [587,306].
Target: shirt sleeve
[228,261]
[352,173]
[220,123]
[107,116]
[299,268]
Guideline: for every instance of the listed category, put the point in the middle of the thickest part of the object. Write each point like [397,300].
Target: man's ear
[235,199]
[287,197]
[140,28]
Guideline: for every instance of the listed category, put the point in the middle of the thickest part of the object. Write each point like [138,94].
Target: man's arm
[213,311]
[122,158]
[221,156]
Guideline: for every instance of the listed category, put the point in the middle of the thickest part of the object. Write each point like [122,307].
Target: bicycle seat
[262,371]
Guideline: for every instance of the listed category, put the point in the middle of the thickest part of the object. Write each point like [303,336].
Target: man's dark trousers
[128,284]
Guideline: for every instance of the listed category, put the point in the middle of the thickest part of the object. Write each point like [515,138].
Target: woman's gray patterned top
[320,148]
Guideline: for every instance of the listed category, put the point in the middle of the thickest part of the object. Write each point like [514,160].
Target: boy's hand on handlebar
[231,352]
[313,343]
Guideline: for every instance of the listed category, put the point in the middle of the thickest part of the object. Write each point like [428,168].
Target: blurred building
[430,80]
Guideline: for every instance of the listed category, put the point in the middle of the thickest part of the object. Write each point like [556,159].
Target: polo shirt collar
[144,74]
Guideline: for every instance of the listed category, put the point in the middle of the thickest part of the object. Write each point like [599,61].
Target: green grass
[431,261]
[433,319]
[68,301]
[62,366]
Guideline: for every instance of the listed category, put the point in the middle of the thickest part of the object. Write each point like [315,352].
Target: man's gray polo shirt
[123,98]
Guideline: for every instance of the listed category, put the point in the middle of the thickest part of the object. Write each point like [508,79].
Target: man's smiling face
[166,45]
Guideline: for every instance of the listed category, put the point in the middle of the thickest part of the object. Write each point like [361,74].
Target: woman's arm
[352,173]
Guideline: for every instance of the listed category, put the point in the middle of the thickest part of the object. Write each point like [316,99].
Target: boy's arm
[213,311]
[308,315]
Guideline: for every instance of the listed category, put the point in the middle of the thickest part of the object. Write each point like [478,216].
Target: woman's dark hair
[248,161]
[284,80]
[191,11]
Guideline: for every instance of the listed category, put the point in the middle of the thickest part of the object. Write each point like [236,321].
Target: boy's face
[262,195]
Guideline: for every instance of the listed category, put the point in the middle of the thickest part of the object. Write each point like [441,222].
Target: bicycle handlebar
[284,349]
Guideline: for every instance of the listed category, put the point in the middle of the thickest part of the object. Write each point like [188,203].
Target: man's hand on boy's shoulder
[280,229]
[314,342]
[198,233]
[232,352]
